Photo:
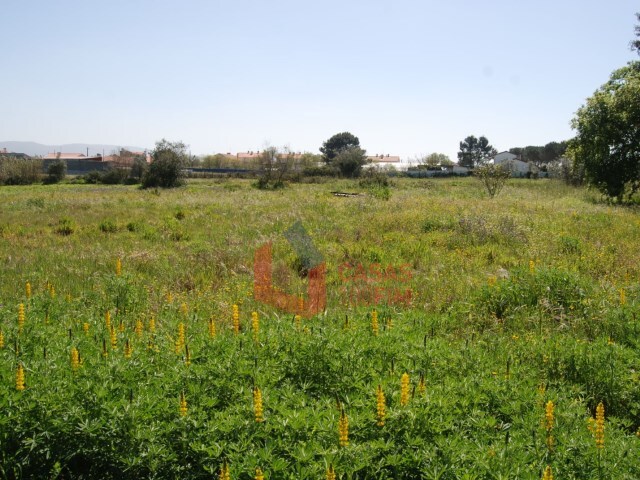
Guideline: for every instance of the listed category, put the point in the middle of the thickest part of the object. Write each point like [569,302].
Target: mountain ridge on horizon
[38,149]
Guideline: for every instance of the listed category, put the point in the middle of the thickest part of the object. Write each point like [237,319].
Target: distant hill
[37,149]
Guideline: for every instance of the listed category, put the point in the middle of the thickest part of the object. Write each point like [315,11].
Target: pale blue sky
[406,77]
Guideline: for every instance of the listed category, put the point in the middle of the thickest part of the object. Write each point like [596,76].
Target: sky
[407,77]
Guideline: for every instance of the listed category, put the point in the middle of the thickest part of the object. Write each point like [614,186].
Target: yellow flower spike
[179,344]
[225,474]
[297,320]
[75,359]
[255,325]
[492,280]
[404,389]
[343,429]
[331,473]
[236,319]
[257,405]
[547,475]
[52,291]
[68,298]
[1,339]
[532,266]
[128,349]
[422,387]
[259,474]
[623,297]
[27,289]
[599,428]
[184,309]
[118,267]
[152,325]
[381,407]
[20,378]
[212,328]
[169,298]
[85,328]
[374,323]
[548,416]
[113,338]
[107,319]
[183,405]
[20,317]
[139,327]
[389,323]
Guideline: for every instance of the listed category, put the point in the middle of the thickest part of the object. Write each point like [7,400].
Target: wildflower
[20,378]
[169,298]
[374,323]
[224,472]
[212,328]
[180,339]
[422,388]
[20,317]
[300,304]
[599,427]
[257,404]
[127,349]
[113,338]
[107,319]
[27,288]
[381,406]
[52,291]
[623,297]
[1,339]
[492,280]
[85,327]
[118,267]
[547,475]
[404,389]
[152,325]
[548,416]
[67,298]
[184,309]
[389,323]
[75,359]
[297,321]
[532,266]
[121,326]
[139,327]
[255,325]
[183,405]
[259,474]
[236,319]
[343,429]
[331,474]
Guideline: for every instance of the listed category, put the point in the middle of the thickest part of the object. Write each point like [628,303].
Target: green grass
[507,295]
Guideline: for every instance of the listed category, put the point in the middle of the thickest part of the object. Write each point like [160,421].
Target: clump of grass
[65,227]
[108,226]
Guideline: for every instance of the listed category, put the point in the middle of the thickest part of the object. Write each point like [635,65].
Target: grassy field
[516,302]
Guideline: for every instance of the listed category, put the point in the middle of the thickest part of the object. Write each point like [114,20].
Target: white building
[517,167]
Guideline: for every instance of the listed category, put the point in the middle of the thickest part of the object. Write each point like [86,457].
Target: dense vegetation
[523,319]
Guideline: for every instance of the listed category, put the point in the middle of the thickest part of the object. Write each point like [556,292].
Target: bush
[15,171]
[493,177]
[56,171]
[167,168]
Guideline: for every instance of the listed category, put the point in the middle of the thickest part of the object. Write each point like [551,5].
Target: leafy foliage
[607,142]
[475,151]
[167,166]
[18,171]
[493,177]
[338,143]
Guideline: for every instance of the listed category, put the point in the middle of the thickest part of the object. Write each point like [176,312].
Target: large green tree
[475,151]
[336,144]
[607,141]
[167,166]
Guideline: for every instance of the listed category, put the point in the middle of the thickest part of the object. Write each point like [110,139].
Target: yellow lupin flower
[20,378]
[152,325]
[184,309]
[139,327]
[381,406]
[75,359]
[113,338]
[180,339]
[343,429]
[374,323]
[259,474]
[623,297]
[20,317]
[1,339]
[422,387]
[85,327]
[599,427]
[532,266]
[169,298]
[255,325]
[331,473]
[27,289]
[183,405]
[257,404]
[297,320]
[492,280]
[212,328]
[547,474]
[107,319]
[52,291]
[236,319]
[548,416]
[404,389]
[128,349]
[118,267]
[225,474]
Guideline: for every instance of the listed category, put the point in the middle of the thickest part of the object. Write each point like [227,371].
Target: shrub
[15,171]
[56,171]
[493,177]
[167,168]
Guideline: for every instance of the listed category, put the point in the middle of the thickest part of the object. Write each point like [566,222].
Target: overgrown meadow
[132,346]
